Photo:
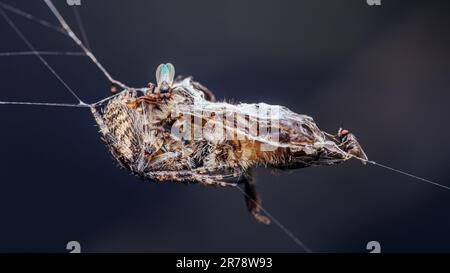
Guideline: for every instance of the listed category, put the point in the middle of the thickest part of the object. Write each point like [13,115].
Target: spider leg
[202,175]
[151,88]
[152,98]
[252,198]
[185,176]
[168,161]
[217,179]
[152,149]
[218,173]
[209,95]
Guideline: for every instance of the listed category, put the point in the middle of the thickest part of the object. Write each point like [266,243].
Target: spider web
[65,29]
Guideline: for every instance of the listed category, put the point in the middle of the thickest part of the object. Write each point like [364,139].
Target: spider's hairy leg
[218,173]
[203,177]
[209,95]
[152,146]
[252,197]
[186,176]
[153,98]
[215,181]
[152,149]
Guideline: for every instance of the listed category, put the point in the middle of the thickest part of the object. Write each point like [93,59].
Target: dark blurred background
[381,71]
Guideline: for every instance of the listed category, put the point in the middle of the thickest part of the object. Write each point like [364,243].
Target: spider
[177,131]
